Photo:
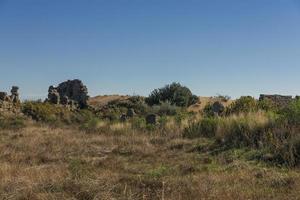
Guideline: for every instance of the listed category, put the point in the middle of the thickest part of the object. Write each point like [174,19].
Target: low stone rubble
[278,100]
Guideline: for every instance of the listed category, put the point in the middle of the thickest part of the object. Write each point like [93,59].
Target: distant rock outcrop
[278,100]
[72,93]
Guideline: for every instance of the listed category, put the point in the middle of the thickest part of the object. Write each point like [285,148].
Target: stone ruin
[71,93]
[278,100]
[10,102]
[218,108]
[130,114]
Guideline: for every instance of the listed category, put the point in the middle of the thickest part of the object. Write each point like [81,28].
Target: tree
[175,94]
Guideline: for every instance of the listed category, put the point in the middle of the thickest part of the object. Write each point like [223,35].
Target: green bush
[46,112]
[138,123]
[267,105]
[90,125]
[174,93]
[162,121]
[117,107]
[12,122]
[242,133]
[206,127]
[292,113]
[165,108]
[244,104]
[56,114]
[208,110]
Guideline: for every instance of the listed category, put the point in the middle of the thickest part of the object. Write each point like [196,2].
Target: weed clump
[207,127]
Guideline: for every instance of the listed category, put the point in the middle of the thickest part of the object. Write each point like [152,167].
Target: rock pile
[10,102]
[71,93]
[130,114]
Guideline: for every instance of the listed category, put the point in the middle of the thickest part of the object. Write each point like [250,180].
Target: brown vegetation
[118,162]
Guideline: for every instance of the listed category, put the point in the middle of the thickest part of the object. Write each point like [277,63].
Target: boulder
[15,98]
[53,95]
[151,119]
[123,118]
[3,96]
[218,108]
[130,113]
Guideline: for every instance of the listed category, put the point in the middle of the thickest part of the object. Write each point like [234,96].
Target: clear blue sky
[234,47]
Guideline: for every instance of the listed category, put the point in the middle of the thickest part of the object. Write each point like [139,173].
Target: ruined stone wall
[72,93]
[278,100]
[11,102]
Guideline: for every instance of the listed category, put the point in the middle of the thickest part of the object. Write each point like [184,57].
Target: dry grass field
[42,162]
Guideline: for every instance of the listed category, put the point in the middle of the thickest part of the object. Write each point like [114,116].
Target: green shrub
[162,121]
[292,113]
[117,107]
[12,122]
[267,105]
[244,104]
[46,112]
[138,123]
[179,117]
[284,145]
[90,124]
[56,114]
[206,127]
[242,133]
[174,93]
[165,108]
[208,110]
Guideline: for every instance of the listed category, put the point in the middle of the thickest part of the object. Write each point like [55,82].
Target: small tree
[174,93]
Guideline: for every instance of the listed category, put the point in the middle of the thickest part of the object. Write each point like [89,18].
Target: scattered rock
[151,119]
[259,174]
[123,117]
[99,161]
[218,108]
[186,169]
[268,157]
[130,113]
